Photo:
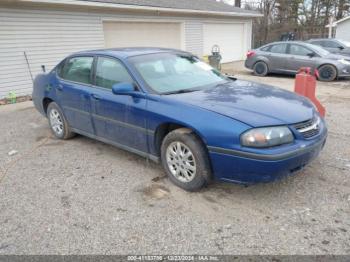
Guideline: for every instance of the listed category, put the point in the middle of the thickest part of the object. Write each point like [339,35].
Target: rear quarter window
[77,69]
[59,68]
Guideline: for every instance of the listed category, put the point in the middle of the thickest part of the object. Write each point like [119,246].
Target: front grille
[309,128]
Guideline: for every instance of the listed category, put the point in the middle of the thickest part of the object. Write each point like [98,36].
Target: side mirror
[123,88]
[341,47]
[311,54]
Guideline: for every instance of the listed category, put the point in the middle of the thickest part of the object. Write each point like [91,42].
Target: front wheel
[185,160]
[327,73]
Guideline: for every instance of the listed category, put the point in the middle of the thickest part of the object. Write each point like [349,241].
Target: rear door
[299,56]
[277,56]
[117,118]
[73,92]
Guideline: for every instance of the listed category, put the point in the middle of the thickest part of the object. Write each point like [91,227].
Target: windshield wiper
[223,84]
[181,91]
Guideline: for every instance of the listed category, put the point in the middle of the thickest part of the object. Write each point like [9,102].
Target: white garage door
[229,37]
[142,34]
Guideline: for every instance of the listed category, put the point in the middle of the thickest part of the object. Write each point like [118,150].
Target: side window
[331,44]
[77,69]
[299,50]
[265,48]
[279,48]
[320,43]
[59,68]
[110,71]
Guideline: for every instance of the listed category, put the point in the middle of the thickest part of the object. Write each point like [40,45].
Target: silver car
[289,57]
[333,45]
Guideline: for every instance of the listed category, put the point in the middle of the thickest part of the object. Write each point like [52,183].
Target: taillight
[250,54]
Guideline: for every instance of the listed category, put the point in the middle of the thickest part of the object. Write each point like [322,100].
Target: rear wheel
[260,68]
[58,123]
[327,73]
[185,160]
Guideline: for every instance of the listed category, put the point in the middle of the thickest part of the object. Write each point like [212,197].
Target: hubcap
[56,122]
[181,162]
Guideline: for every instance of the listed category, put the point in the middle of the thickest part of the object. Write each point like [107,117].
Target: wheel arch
[45,103]
[165,128]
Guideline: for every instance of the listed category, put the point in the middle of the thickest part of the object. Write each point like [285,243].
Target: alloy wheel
[260,68]
[327,73]
[56,122]
[181,162]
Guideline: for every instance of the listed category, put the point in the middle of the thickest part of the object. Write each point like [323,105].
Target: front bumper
[343,70]
[247,168]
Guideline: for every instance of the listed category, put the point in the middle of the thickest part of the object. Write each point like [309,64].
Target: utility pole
[330,26]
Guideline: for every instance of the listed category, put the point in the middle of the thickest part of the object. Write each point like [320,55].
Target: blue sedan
[170,107]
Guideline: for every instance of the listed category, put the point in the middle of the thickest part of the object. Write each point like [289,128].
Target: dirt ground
[84,197]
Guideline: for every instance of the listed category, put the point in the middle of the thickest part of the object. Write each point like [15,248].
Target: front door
[73,92]
[300,57]
[117,118]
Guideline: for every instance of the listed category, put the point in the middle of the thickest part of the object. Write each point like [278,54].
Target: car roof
[129,51]
[286,42]
[322,39]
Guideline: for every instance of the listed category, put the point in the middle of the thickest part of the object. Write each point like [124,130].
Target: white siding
[124,34]
[194,37]
[343,30]
[47,36]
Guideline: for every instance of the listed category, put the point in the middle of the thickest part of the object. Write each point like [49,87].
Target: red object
[250,54]
[305,85]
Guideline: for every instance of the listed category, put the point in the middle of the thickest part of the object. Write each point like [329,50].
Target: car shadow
[215,193]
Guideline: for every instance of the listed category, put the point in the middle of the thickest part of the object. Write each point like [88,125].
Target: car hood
[337,56]
[251,103]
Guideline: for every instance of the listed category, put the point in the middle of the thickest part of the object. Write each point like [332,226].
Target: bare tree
[306,18]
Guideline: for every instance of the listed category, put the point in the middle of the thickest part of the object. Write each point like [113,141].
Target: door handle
[60,87]
[94,96]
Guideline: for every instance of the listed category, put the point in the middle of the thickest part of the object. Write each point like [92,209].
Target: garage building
[343,29]
[43,32]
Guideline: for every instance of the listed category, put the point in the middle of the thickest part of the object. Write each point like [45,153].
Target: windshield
[171,72]
[346,43]
[318,49]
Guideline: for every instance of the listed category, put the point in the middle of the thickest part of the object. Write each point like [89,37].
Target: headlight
[267,137]
[344,62]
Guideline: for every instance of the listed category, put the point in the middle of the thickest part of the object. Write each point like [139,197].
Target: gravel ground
[85,197]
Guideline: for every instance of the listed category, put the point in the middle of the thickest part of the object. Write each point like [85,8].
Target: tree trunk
[238,3]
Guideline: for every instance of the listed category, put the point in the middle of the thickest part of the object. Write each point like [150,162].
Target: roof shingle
[200,5]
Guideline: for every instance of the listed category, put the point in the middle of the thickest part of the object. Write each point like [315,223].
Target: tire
[327,73]
[191,173]
[58,123]
[260,69]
